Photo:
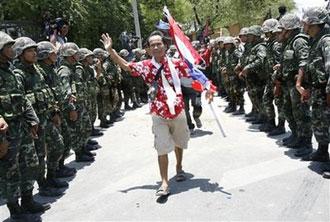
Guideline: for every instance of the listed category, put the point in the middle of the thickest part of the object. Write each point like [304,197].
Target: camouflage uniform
[54,138]
[316,79]
[256,77]
[273,57]
[16,111]
[295,53]
[72,79]
[234,87]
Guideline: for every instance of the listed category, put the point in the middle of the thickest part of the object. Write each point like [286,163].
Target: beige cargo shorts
[170,133]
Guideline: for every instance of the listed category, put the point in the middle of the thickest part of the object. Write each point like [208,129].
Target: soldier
[56,150]
[91,77]
[234,89]
[113,71]
[127,85]
[75,113]
[313,84]
[41,96]
[278,94]
[294,60]
[103,99]
[254,70]
[273,57]
[16,162]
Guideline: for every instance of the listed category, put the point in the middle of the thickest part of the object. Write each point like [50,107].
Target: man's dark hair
[154,33]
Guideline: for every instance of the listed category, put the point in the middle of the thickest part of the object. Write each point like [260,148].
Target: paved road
[245,176]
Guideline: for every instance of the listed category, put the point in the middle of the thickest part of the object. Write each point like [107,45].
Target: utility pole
[137,23]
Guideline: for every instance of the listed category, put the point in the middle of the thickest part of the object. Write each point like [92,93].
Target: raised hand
[106,41]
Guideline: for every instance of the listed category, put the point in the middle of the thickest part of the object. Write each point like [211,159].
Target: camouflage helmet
[228,40]
[220,39]
[84,52]
[69,49]
[290,22]
[254,30]
[315,16]
[100,53]
[123,53]
[269,25]
[23,43]
[5,39]
[44,49]
[196,44]
[243,31]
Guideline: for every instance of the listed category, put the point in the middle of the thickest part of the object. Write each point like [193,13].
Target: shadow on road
[200,133]
[190,183]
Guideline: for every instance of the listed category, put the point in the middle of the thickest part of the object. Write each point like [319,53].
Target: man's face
[90,60]
[157,47]
[8,52]
[76,57]
[64,30]
[30,55]
[53,57]
[311,30]
[228,46]
[251,38]
[243,38]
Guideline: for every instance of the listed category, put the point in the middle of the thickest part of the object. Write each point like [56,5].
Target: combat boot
[96,132]
[289,139]
[53,182]
[305,148]
[268,126]
[240,111]
[64,171]
[136,105]
[92,142]
[320,155]
[104,124]
[128,107]
[250,114]
[31,206]
[18,215]
[84,158]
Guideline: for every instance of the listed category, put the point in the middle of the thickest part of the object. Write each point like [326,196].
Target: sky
[301,4]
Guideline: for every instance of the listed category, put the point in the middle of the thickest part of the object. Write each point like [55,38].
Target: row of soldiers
[288,68]
[48,106]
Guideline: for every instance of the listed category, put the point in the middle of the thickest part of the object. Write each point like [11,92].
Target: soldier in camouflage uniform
[234,89]
[31,76]
[113,71]
[47,57]
[278,94]
[254,70]
[242,63]
[273,57]
[74,112]
[91,77]
[314,82]
[127,85]
[140,87]
[103,99]
[16,163]
[294,61]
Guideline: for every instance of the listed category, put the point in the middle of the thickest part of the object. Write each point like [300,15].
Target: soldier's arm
[277,50]
[326,59]
[65,79]
[259,61]
[301,48]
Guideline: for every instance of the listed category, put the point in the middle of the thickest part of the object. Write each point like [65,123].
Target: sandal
[163,192]
[180,176]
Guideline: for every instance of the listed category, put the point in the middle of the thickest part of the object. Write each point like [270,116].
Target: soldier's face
[64,30]
[7,52]
[76,57]
[90,60]
[53,57]
[30,55]
[311,30]
[228,46]
[156,46]
[250,38]
[279,36]
[243,38]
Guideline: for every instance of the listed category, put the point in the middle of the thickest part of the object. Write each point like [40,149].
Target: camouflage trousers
[92,108]
[320,116]
[128,89]
[279,102]
[9,165]
[104,104]
[196,103]
[28,162]
[78,131]
[267,101]
[296,113]
[55,146]
[256,94]
[235,90]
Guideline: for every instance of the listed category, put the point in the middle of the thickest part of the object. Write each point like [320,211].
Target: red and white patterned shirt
[148,72]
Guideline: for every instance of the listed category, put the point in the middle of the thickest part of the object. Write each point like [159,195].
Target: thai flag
[187,53]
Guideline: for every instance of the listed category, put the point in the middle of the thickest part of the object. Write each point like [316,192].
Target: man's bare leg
[163,167]
[179,155]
